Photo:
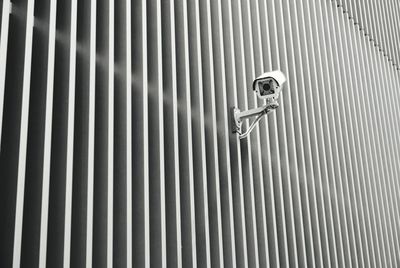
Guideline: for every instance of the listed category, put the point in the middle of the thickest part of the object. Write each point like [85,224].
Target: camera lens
[267,89]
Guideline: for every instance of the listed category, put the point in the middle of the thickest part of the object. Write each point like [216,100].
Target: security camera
[267,86]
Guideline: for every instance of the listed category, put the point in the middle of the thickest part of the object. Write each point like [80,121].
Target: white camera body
[268,86]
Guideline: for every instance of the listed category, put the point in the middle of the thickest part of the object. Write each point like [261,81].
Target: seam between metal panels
[266,64]
[379,209]
[199,154]
[47,135]
[316,188]
[335,126]
[372,155]
[295,200]
[353,208]
[349,154]
[176,137]
[245,186]
[309,162]
[240,93]
[263,137]
[366,145]
[362,252]
[279,172]
[214,203]
[21,177]
[232,259]
[381,30]
[392,164]
[328,127]
[354,96]
[128,136]
[322,173]
[382,122]
[110,136]
[91,133]
[3,56]
[254,146]
[70,138]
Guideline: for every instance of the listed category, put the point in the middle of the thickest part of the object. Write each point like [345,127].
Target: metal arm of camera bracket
[239,116]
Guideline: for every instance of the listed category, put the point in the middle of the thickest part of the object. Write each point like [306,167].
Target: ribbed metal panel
[116,144]
[380,21]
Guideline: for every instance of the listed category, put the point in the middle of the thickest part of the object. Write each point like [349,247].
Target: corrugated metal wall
[116,144]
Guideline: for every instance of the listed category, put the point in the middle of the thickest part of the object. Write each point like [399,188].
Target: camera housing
[269,85]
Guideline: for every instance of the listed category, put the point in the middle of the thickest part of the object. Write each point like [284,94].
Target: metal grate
[116,144]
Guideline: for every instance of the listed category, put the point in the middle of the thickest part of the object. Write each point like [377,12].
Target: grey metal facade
[116,144]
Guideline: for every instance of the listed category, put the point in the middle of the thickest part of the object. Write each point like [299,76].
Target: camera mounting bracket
[238,117]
